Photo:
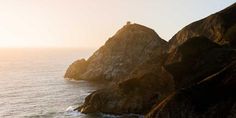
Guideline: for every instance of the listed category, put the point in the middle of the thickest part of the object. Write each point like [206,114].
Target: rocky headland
[131,46]
[191,76]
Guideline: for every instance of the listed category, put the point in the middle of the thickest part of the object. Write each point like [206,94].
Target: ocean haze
[32,83]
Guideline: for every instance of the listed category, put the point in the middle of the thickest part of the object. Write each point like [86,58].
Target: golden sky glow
[89,23]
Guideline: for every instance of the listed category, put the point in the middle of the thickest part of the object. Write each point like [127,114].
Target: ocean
[32,83]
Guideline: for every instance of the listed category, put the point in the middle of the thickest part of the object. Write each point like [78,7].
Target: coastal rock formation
[203,69]
[219,27]
[198,58]
[147,85]
[193,78]
[76,69]
[212,97]
[131,46]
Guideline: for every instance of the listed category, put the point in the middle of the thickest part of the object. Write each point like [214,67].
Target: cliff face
[133,59]
[199,57]
[212,97]
[203,69]
[147,85]
[194,78]
[131,46]
[76,69]
[217,27]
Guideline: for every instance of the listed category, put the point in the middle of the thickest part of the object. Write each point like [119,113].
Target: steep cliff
[212,97]
[193,78]
[199,57]
[147,85]
[131,46]
[217,27]
[133,59]
[201,60]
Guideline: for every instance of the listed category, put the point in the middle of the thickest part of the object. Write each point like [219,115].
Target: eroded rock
[131,46]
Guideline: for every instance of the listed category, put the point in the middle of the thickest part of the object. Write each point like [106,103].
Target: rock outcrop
[203,69]
[198,58]
[147,85]
[212,97]
[193,78]
[219,27]
[131,46]
[133,59]
[76,69]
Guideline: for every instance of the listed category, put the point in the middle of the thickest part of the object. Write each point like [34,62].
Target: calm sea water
[32,83]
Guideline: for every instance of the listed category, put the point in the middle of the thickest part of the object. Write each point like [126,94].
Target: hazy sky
[89,23]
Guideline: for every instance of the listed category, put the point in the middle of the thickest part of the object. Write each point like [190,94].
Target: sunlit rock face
[131,46]
[76,69]
[133,59]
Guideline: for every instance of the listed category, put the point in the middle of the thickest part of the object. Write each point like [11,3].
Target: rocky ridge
[130,46]
[205,83]
[193,78]
[218,27]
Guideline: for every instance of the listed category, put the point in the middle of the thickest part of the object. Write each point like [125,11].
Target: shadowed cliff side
[131,46]
[205,82]
[203,69]
[199,57]
[217,27]
[213,97]
[147,85]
